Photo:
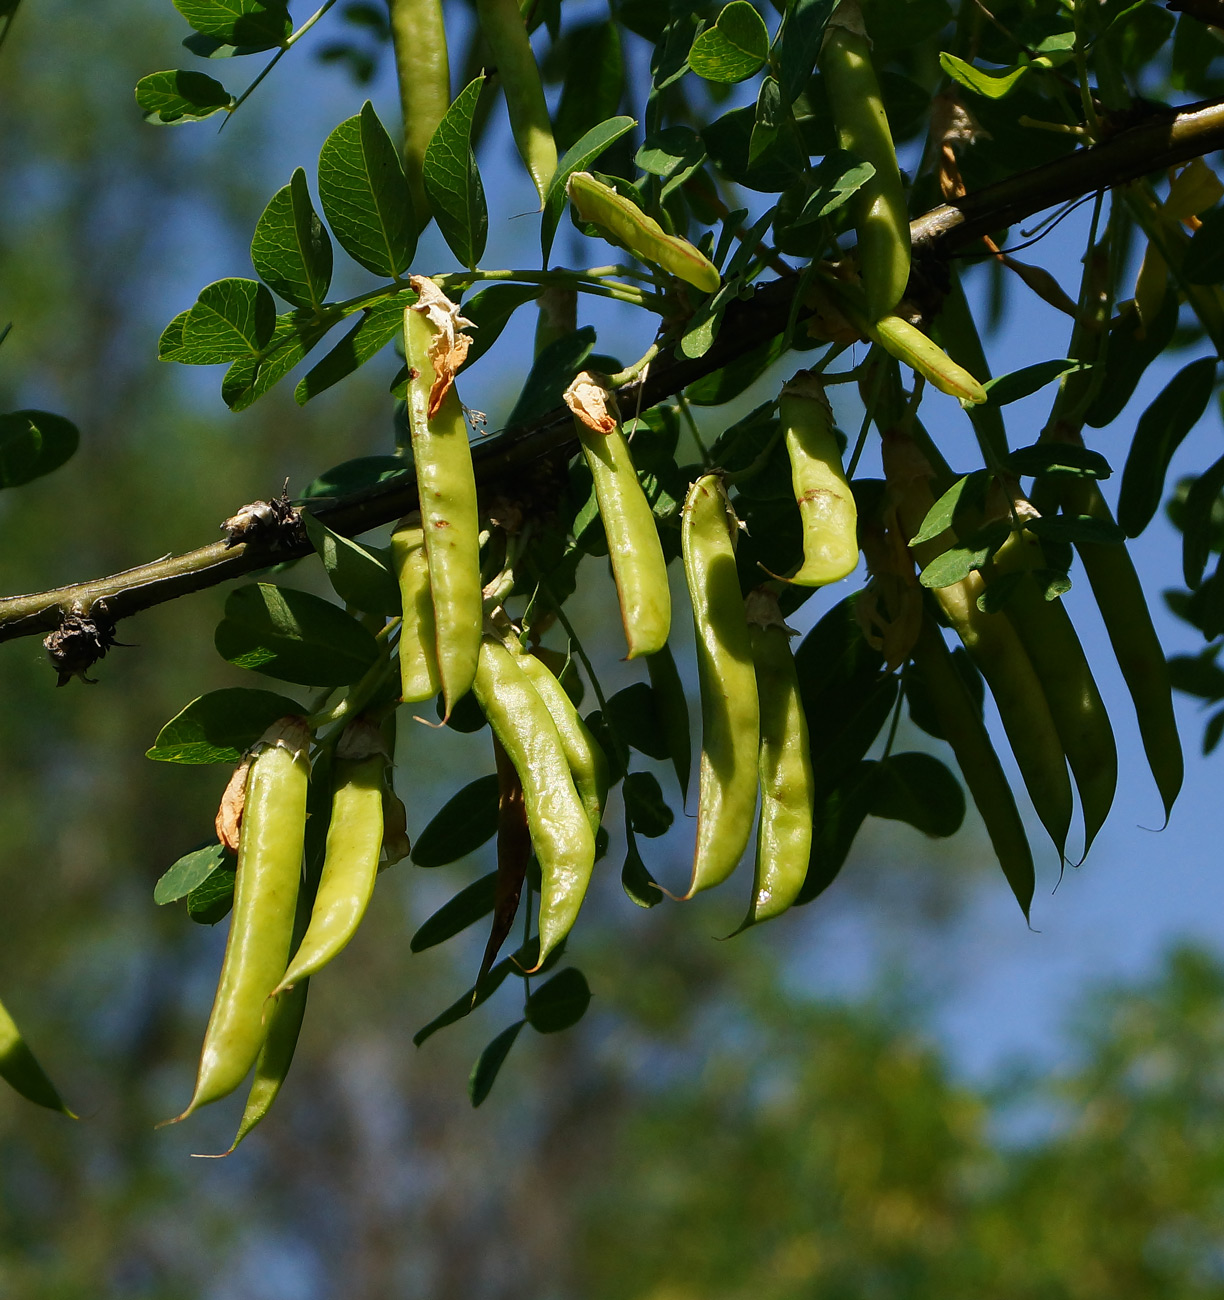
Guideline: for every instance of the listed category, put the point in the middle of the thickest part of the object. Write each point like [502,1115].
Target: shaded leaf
[465,822]
[558,1003]
[799,44]
[838,820]
[467,1002]
[360,578]
[354,475]
[294,636]
[1064,460]
[1023,383]
[639,885]
[490,311]
[918,789]
[255,24]
[645,806]
[211,901]
[34,443]
[485,1071]
[635,714]
[1160,431]
[551,374]
[221,726]
[1198,523]
[466,908]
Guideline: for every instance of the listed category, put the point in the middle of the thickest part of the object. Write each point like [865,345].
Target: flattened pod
[641,235]
[265,896]
[560,830]
[350,861]
[788,783]
[636,554]
[418,653]
[826,504]
[730,721]
[446,485]
[880,215]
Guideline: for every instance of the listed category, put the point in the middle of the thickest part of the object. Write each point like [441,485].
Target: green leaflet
[365,197]
[290,249]
[452,179]
[180,96]
[734,48]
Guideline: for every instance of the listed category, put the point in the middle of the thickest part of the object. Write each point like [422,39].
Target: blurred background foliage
[711,1129]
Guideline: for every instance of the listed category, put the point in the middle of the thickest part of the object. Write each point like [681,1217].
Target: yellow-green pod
[350,860]
[878,207]
[730,718]
[446,486]
[418,651]
[634,548]
[418,36]
[641,235]
[561,833]
[501,21]
[788,783]
[924,356]
[265,896]
[826,504]
[588,763]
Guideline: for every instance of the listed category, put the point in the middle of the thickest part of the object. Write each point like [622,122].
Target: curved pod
[265,897]
[561,833]
[730,718]
[350,861]
[881,218]
[788,783]
[826,504]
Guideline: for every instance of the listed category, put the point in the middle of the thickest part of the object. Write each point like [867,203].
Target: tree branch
[1153,145]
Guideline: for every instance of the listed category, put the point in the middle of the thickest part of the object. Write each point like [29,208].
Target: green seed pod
[879,209]
[730,718]
[265,897]
[641,235]
[418,653]
[634,549]
[826,504]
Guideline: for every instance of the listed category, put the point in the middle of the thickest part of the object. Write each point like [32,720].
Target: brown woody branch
[1151,146]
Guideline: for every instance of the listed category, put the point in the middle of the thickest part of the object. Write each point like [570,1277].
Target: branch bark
[1140,150]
